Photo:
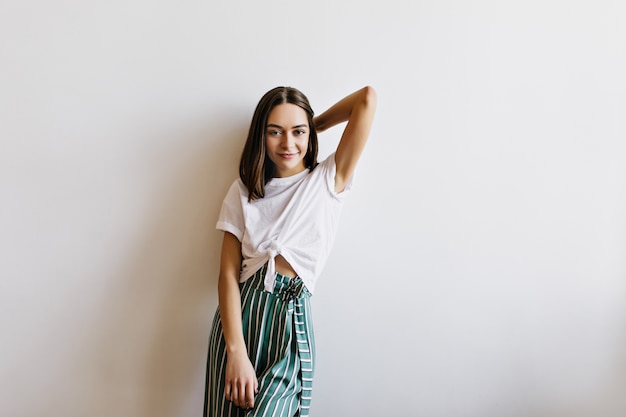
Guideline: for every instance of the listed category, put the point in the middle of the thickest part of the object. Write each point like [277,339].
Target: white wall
[479,270]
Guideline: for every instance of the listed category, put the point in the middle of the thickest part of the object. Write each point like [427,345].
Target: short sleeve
[329,168]
[231,214]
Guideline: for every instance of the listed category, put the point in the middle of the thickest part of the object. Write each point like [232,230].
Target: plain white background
[480,266]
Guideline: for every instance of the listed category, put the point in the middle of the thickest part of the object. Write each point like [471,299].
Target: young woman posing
[279,221]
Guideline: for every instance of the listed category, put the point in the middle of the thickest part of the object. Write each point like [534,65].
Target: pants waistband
[285,288]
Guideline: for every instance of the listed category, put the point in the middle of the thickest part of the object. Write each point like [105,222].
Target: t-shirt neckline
[284,181]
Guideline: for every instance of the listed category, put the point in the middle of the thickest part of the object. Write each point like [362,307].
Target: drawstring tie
[270,274]
[289,289]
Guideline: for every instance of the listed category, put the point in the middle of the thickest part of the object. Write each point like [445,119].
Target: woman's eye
[300,132]
[273,132]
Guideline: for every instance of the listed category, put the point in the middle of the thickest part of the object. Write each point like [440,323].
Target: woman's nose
[288,139]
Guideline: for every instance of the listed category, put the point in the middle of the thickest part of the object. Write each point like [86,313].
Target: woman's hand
[241,382]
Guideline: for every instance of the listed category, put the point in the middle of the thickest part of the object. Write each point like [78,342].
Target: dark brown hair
[255,167]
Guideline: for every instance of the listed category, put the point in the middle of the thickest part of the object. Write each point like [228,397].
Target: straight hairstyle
[255,167]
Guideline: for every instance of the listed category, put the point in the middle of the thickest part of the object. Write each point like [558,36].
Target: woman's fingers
[227,391]
[246,393]
[240,399]
[234,394]
[249,394]
[241,382]
[241,394]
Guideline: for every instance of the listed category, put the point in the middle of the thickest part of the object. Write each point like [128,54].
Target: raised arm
[358,110]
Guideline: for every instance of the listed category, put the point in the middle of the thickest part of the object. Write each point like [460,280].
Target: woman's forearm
[230,311]
[342,110]
[230,295]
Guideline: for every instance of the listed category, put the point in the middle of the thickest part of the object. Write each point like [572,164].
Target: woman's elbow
[370,96]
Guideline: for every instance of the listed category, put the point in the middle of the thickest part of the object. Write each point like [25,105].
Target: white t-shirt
[297,218]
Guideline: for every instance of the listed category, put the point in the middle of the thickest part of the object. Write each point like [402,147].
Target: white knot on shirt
[270,274]
[273,251]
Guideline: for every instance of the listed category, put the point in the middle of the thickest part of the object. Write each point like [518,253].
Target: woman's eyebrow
[280,127]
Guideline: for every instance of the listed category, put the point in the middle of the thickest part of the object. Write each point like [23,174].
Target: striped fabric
[279,336]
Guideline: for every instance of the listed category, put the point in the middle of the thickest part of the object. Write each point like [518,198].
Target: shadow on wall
[151,341]
[607,400]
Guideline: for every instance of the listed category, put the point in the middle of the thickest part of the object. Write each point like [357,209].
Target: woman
[279,221]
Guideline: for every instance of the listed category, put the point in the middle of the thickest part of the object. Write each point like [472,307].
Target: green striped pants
[278,333]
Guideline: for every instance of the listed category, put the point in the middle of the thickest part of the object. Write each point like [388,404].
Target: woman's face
[287,138]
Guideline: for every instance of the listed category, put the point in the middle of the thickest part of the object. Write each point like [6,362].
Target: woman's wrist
[236,349]
[318,122]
